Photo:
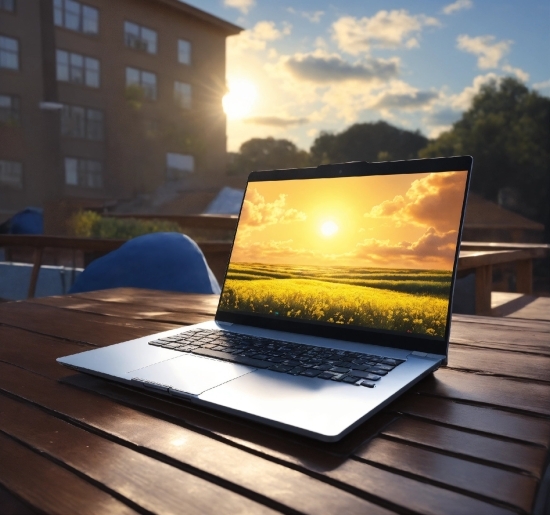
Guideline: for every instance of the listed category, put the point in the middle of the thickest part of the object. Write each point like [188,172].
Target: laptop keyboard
[285,357]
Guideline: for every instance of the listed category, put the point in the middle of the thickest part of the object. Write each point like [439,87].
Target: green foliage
[89,224]
[507,131]
[378,141]
[134,95]
[367,303]
[267,154]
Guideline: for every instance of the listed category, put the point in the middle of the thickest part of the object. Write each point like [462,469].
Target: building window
[146,80]
[182,94]
[184,51]
[7,5]
[140,38]
[10,110]
[77,69]
[86,173]
[11,174]
[9,53]
[178,165]
[76,16]
[82,122]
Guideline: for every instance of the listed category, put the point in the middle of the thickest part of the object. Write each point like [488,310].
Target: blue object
[28,221]
[160,261]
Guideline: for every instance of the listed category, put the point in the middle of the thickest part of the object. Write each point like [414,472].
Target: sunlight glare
[329,229]
[238,102]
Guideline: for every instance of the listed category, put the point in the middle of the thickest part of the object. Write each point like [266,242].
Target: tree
[507,131]
[378,141]
[267,154]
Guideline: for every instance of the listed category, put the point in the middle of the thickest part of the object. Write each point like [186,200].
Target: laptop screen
[372,252]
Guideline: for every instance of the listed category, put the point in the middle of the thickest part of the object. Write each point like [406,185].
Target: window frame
[182,98]
[61,12]
[73,69]
[4,184]
[174,173]
[189,52]
[13,113]
[138,41]
[9,51]
[83,174]
[140,83]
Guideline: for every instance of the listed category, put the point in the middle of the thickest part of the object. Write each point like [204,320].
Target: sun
[238,102]
[329,228]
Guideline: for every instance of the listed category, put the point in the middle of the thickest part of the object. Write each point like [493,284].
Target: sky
[308,66]
[392,221]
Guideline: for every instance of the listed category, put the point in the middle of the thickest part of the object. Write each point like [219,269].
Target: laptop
[337,299]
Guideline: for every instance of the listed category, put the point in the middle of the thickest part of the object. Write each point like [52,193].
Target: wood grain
[487,420]
[285,486]
[49,487]
[519,456]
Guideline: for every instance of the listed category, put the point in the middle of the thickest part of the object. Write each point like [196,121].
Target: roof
[481,213]
[229,28]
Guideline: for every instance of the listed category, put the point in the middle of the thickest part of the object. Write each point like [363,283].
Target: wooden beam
[35,271]
[524,276]
[484,282]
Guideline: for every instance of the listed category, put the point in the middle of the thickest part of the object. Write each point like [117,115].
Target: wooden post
[524,276]
[484,283]
[35,271]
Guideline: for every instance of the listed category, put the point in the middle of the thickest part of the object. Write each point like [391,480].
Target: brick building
[108,99]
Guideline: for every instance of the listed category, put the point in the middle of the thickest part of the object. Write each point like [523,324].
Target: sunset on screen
[371,251]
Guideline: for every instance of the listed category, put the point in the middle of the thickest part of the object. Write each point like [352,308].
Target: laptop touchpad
[190,374]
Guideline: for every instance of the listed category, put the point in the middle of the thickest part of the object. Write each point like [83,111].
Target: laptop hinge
[425,355]
[225,324]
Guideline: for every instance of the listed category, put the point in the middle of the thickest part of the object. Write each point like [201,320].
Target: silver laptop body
[337,299]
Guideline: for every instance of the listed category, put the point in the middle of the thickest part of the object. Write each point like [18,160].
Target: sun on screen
[240,98]
[329,228]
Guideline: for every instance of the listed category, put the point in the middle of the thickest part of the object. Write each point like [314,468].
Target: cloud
[488,51]
[322,68]
[256,38]
[273,251]
[431,248]
[518,72]
[276,121]
[459,5]
[242,5]
[542,85]
[463,100]
[387,29]
[257,213]
[312,16]
[433,201]
[410,101]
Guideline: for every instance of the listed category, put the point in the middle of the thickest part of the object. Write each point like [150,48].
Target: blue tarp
[161,261]
[28,221]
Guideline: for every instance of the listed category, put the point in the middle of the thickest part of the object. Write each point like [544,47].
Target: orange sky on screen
[391,221]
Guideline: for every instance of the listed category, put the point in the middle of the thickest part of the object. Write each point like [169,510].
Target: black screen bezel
[350,333]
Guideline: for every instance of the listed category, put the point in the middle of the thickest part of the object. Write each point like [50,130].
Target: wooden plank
[83,327]
[524,276]
[144,481]
[520,456]
[132,311]
[496,391]
[469,259]
[49,487]
[12,505]
[487,420]
[37,353]
[487,482]
[35,272]
[410,494]
[501,363]
[513,335]
[141,431]
[483,286]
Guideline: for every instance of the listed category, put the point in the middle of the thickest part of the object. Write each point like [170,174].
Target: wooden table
[473,438]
